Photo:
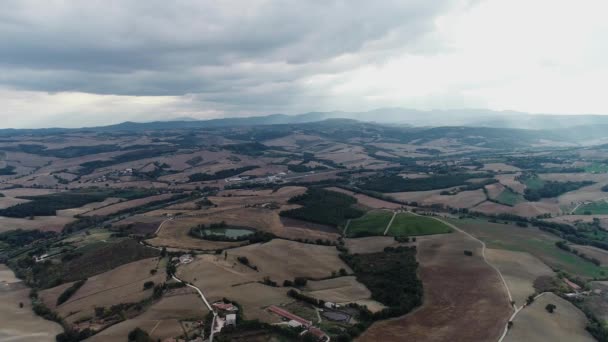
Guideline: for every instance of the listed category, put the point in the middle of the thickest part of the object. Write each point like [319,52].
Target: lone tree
[468,253]
[530,299]
[550,308]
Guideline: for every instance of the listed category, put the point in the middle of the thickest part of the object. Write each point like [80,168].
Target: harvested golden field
[533,209]
[88,207]
[492,208]
[370,244]
[161,320]
[219,278]
[519,270]
[494,190]
[510,181]
[6,202]
[252,197]
[123,284]
[21,324]
[175,234]
[114,208]
[294,140]
[284,260]
[526,209]
[500,167]
[20,192]
[463,199]
[591,193]
[368,201]
[534,323]
[44,223]
[416,196]
[593,252]
[464,298]
[342,290]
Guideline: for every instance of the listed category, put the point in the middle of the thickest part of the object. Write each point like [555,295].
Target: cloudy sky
[74,63]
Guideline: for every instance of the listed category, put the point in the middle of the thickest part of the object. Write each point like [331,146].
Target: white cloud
[543,56]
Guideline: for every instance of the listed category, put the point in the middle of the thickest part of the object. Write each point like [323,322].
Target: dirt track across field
[465,298]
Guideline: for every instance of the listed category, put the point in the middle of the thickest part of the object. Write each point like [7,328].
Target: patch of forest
[88,167]
[20,237]
[551,189]
[323,206]
[93,260]
[47,205]
[396,183]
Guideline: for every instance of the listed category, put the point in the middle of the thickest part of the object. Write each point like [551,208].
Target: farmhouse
[185,259]
[288,315]
[231,320]
[225,306]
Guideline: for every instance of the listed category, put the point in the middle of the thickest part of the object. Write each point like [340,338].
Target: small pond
[228,232]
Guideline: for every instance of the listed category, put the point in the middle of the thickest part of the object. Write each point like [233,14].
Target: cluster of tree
[396,183]
[249,149]
[139,335]
[303,168]
[67,293]
[47,205]
[67,152]
[157,151]
[391,276]
[20,237]
[605,188]
[8,170]
[202,177]
[553,189]
[308,299]
[323,206]
[563,245]
[245,261]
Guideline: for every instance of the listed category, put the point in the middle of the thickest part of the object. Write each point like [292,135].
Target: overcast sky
[75,63]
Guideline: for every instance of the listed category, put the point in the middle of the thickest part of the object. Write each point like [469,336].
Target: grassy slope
[373,223]
[596,208]
[509,198]
[406,224]
[531,240]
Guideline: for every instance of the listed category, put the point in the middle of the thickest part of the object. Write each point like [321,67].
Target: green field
[595,208]
[373,223]
[531,240]
[406,224]
[509,197]
[534,183]
[597,168]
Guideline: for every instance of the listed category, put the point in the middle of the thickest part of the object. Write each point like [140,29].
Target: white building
[231,320]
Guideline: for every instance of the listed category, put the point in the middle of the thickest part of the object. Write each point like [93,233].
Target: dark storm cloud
[222,50]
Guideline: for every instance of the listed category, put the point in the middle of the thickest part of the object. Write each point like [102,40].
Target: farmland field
[595,208]
[373,223]
[509,197]
[520,270]
[531,240]
[21,324]
[535,324]
[406,224]
[464,299]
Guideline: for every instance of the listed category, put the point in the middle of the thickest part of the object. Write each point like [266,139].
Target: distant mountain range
[400,116]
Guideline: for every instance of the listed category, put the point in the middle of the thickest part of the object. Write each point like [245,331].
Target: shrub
[300,281]
[468,253]
[70,291]
[148,285]
[550,308]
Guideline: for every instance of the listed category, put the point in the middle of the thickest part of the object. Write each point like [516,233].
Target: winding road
[483,254]
[206,303]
